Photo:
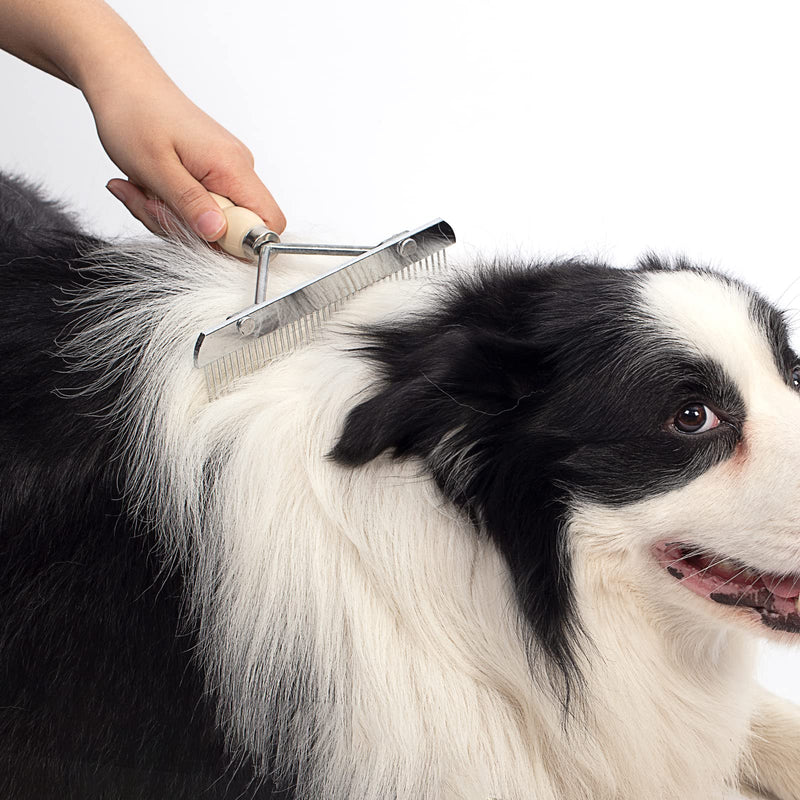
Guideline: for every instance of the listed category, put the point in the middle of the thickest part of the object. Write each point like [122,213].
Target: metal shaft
[268,248]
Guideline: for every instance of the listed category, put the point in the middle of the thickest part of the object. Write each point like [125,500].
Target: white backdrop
[554,128]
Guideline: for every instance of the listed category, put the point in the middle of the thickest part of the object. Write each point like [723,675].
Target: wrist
[134,76]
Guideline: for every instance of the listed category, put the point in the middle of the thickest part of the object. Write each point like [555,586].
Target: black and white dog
[509,535]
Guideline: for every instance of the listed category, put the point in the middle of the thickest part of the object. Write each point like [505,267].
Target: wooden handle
[240,222]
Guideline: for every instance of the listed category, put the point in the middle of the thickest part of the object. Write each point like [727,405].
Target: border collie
[512,534]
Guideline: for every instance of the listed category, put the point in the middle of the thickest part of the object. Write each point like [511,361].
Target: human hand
[173,154]
[171,151]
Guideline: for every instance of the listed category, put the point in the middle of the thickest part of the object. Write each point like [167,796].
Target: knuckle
[241,152]
[190,196]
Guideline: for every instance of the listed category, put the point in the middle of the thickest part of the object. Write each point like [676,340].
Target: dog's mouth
[776,598]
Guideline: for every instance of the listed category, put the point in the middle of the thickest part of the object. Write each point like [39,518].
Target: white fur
[364,590]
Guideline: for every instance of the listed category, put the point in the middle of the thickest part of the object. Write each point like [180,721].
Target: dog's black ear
[436,383]
[467,402]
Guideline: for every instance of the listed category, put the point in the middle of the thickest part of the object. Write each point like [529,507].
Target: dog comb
[250,339]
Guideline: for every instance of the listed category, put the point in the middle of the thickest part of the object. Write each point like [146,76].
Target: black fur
[530,388]
[535,386]
[100,696]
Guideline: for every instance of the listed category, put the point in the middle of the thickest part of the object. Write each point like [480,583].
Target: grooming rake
[249,340]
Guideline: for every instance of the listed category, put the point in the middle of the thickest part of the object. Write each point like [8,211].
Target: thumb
[187,198]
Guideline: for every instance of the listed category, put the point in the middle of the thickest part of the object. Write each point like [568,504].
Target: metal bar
[319,249]
[268,248]
[264,253]
[366,268]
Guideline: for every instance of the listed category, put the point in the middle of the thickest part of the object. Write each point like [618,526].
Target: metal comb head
[251,339]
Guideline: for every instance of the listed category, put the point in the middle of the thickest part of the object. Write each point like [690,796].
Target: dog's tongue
[788,588]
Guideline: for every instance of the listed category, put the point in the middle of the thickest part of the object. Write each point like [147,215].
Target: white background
[552,128]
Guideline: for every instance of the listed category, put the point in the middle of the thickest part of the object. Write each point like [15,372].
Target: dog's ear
[436,384]
[466,401]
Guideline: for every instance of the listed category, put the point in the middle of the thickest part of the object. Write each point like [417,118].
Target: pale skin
[172,153]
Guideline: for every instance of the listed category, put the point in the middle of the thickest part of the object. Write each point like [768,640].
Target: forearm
[168,148]
[83,42]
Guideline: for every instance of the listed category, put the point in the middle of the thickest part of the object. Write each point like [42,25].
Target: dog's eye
[795,377]
[695,418]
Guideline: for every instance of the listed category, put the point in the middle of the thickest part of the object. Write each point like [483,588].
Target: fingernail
[116,191]
[209,224]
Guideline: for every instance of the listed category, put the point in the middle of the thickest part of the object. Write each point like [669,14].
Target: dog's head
[651,413]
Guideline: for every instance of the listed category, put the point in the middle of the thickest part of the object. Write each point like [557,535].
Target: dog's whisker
[685,556]
[734,577]
[750,585]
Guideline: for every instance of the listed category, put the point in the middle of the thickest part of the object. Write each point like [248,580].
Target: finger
[137,202]
[251,193]
[187,198]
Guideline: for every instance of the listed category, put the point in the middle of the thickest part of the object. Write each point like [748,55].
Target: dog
[509,533]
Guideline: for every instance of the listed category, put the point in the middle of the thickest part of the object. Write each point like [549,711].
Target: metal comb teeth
[280,326]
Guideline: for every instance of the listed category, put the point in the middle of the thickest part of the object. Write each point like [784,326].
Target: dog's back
[100,694]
